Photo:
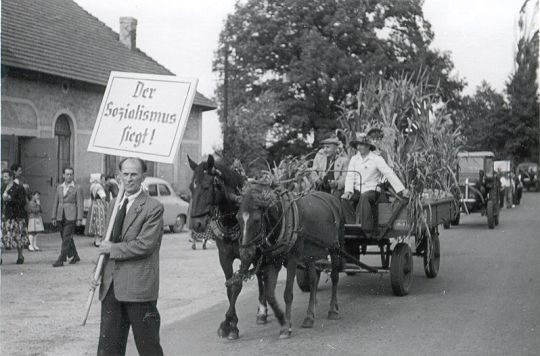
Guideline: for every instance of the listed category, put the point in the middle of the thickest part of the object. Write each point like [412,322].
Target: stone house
[56,60]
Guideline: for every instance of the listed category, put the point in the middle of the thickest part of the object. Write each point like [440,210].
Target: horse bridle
[261,237]
[212,208]
[218,229]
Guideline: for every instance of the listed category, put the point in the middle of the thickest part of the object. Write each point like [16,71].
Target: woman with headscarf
[14,233]
[98,211]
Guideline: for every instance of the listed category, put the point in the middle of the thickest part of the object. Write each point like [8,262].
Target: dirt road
[42,307]
[485,301]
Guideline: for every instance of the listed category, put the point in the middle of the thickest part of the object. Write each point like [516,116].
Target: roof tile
[59,37]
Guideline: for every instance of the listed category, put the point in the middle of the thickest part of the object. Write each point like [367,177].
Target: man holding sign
[141,115]
[130,279]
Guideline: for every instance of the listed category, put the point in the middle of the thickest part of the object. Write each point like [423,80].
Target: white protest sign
[143,115]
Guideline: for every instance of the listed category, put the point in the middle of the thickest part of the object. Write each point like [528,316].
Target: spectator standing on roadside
[130,279]
[97,216]
[98,210]
[518,188]
[111,187]
[506,184]
[35,222]
[19,179]
[67,211]
[14,233]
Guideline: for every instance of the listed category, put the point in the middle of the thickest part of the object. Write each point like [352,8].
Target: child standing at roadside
[35,222]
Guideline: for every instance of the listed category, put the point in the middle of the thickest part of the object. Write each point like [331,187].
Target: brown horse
[280,228]
[214,204]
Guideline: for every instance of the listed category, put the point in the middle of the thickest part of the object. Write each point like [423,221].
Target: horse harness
[288,233]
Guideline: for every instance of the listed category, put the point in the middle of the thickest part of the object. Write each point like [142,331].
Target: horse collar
[222,232]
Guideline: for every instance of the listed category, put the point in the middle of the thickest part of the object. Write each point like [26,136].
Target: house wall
[32,102]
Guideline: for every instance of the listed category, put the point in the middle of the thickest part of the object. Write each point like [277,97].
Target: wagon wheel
[432,256]
[302,279]
[401,268]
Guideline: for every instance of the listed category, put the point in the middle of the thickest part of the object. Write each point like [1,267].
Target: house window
[62,131]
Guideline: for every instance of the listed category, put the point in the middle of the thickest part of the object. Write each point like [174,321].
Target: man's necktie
[119,222]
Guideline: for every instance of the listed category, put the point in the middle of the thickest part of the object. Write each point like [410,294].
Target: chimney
[128,32]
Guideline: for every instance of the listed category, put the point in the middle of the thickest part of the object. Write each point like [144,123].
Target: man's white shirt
[65,187]
[131,198]
[372,169]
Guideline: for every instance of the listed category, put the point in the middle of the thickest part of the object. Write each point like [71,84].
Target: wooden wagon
[393,240]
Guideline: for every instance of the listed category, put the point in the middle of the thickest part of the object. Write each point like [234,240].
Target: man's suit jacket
[133,264]
[72,205]
[319,168]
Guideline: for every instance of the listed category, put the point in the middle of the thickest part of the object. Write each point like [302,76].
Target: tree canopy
[484,120]
[522,91]
[312,54]
[509,124]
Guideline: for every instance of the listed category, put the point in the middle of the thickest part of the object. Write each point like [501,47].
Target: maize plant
[419,139]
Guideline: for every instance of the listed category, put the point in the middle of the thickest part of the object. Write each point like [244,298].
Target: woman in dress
[98,210]
[14,233]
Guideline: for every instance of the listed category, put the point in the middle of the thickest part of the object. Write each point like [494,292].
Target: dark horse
[280,228]
[214,204]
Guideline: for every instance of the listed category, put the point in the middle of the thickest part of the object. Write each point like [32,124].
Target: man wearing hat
[328,168]
[376,136]
[366,170]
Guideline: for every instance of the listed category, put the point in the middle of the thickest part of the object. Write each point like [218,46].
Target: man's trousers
[68,248]
[116,319]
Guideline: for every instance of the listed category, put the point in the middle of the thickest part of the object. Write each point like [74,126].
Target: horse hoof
[204,247]
[308,323]
[223,332]
[193,247]
[233,335]
[262,319]
[333,315]
[285,334]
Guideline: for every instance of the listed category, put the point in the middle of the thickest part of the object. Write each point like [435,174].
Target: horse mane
[231,177]
[258,195]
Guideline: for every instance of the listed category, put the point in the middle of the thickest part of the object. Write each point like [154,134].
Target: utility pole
[226,86]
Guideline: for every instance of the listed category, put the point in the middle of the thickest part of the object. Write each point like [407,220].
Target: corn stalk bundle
[292,174]
[419,139]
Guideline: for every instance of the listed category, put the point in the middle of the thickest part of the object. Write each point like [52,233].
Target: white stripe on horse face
[245,217]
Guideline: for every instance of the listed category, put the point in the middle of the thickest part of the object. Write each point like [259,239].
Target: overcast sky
[182,35]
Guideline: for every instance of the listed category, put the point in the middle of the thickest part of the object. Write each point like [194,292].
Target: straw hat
[362,138]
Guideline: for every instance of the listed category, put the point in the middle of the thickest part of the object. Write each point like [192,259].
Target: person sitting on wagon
[328,171]
[366,170]
[376,136]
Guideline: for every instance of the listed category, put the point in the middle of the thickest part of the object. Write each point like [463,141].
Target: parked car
[176,209]
[529,175]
